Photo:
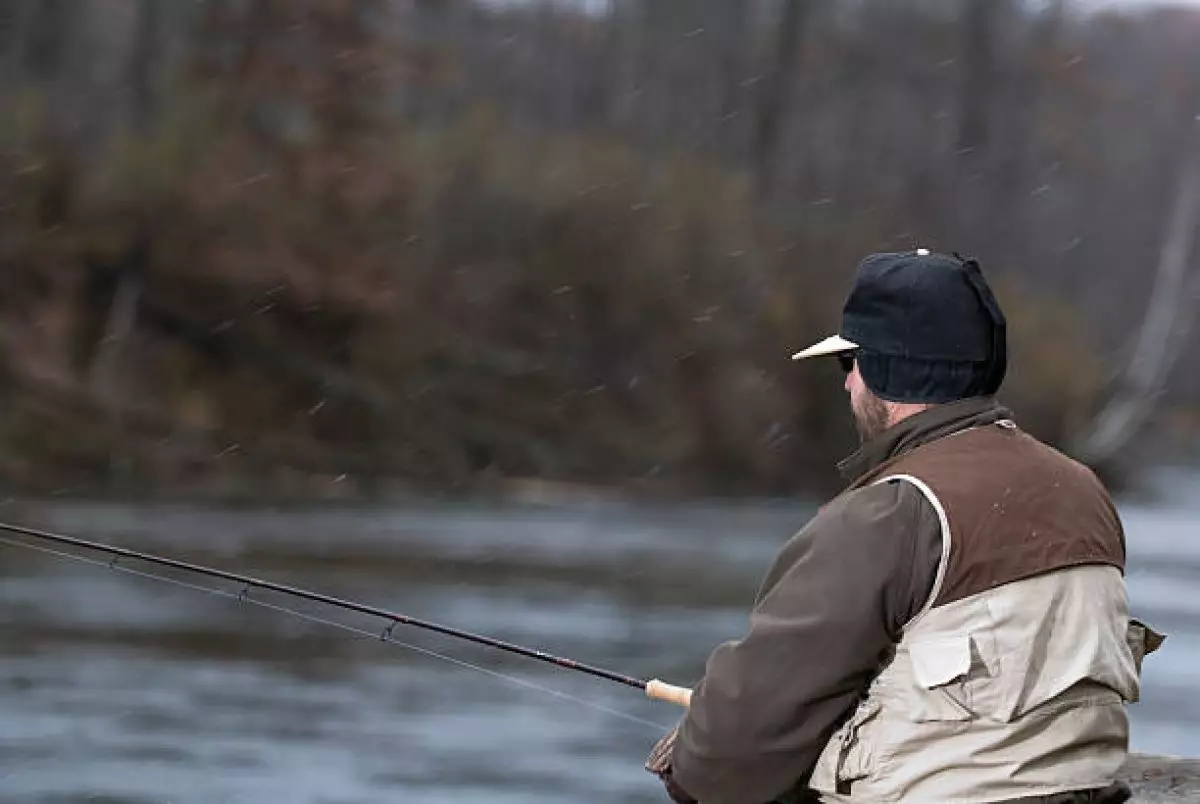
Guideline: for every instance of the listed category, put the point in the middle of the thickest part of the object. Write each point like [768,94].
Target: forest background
[266,248]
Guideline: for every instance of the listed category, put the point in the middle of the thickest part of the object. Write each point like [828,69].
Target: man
[953,627]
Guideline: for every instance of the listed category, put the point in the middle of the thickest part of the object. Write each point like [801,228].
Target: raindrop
[261,177]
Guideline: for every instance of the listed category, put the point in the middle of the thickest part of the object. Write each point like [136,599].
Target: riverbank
[1158,778]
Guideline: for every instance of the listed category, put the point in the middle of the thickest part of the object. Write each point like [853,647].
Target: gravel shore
[1163,779]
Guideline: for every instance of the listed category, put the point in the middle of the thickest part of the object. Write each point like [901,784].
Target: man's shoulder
[891,495]
[885,536]
[858,518]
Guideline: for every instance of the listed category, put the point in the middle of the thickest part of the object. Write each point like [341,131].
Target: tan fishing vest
[1012,680]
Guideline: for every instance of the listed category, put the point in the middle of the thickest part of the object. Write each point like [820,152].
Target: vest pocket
[855,744]
[945,671]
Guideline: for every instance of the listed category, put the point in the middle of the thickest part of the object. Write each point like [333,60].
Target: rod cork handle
[662,691]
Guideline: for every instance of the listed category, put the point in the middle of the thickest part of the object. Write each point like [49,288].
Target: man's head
[918,329]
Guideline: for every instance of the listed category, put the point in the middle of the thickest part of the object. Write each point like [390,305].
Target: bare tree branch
[1169,317]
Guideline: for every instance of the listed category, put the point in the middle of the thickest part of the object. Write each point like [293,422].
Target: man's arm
[828,612]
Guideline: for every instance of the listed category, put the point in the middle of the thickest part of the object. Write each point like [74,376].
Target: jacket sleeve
[827,613]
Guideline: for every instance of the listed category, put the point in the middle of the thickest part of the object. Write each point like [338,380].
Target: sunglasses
[846,360]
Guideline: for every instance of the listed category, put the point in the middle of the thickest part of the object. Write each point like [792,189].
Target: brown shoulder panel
[1016,508]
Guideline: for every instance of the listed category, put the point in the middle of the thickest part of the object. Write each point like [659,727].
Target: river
[116,688]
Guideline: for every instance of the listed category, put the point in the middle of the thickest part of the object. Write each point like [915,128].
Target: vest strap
[944,524]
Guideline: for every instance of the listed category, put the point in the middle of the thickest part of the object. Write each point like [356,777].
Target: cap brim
[830,346]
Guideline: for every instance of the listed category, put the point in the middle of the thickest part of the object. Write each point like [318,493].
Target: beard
[870,415]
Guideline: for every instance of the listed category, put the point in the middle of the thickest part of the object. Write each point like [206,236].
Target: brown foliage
[338,269]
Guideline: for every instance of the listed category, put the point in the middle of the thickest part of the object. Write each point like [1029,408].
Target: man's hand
[659,760]
[659,763]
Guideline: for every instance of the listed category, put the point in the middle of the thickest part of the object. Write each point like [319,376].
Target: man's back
[1015,507]
[1012,680]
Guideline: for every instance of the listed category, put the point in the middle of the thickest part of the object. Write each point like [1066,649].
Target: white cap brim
[830,346]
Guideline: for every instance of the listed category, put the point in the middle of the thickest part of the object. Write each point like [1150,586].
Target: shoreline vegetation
[410,263]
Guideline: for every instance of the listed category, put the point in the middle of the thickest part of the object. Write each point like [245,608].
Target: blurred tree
[980,43]
[536,238]
[773,104]
[50,27]
[1168,322]
[12,35]
[144,61]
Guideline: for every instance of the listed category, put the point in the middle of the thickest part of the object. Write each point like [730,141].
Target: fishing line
[386,636]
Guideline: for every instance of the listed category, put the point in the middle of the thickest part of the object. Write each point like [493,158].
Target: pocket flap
[939,661]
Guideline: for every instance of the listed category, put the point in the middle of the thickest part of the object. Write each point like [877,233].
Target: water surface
[115,688]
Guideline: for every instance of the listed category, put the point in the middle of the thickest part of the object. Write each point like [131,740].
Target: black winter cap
[924,327]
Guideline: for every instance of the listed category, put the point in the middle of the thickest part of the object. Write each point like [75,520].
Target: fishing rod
[653,688]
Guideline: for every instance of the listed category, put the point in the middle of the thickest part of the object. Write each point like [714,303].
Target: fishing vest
[1012,680]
